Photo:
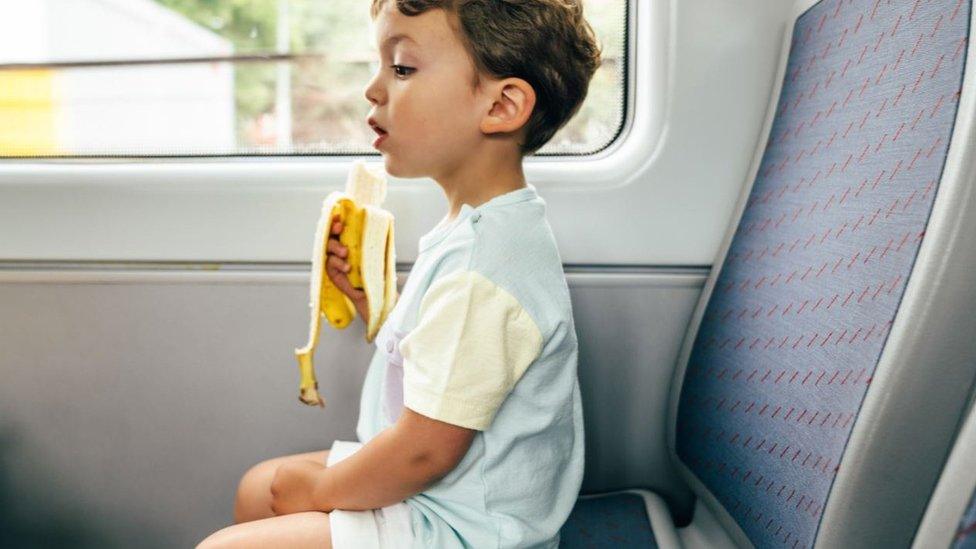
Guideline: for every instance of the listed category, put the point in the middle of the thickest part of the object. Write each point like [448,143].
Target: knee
[217,540]
[253,498]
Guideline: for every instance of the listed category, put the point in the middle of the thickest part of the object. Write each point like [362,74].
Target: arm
[401,461]
[362,307]
[447,398]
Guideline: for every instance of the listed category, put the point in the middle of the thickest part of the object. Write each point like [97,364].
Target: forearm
[388,469]
[362,307]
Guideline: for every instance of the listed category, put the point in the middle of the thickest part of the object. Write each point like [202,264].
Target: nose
[373,91]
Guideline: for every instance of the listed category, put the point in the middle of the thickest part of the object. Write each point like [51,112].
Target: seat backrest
[817,352]
[950,520]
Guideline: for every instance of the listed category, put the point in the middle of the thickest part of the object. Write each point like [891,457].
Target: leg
[253,501]
[299,530]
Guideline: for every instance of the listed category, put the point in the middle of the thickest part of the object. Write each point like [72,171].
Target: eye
[402,67]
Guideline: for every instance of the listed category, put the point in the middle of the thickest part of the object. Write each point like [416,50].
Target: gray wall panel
[132,402]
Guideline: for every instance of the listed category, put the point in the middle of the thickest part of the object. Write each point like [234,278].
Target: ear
[511,107]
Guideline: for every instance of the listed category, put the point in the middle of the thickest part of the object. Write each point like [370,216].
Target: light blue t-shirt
[492,346]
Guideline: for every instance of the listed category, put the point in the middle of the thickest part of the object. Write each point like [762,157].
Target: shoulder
[515,258]
[514,248]
[467,298]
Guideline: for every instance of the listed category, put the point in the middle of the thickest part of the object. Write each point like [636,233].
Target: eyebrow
[392,40]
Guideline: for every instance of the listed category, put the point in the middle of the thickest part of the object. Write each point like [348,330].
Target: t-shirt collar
[435,235]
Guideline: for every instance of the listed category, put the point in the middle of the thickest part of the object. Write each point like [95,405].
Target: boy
[470,419]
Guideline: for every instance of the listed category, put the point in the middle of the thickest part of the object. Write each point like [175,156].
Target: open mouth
[376,127]
[381,135]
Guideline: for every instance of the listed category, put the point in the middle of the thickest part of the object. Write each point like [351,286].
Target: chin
[391,167]
[399,169]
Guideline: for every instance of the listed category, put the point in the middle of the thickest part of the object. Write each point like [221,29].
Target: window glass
[151,78]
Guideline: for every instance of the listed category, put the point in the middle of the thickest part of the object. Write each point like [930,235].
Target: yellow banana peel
[367,233]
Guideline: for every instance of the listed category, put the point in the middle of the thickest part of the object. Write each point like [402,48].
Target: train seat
[835,331]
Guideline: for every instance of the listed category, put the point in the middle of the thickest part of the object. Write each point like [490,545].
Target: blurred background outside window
[148,78]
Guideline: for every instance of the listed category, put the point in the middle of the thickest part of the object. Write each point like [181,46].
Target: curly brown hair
[547,43]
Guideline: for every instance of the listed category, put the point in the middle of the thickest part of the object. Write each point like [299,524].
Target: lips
[381,133]
[376,127]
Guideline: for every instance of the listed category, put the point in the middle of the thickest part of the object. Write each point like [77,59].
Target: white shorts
[385,528]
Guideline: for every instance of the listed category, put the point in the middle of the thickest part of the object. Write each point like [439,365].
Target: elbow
[430,448]
[432,466]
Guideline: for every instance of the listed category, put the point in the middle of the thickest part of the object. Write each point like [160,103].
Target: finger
[338,264]
[336,227]
[334,247]
[353,294]
[341,281]
[346,287]
[335,275]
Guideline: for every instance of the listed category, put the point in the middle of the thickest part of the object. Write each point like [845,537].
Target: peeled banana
[367,233]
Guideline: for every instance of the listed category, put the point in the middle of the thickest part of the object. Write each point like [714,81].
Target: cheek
[434,111]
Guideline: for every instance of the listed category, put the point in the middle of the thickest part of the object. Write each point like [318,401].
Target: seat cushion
[609,520]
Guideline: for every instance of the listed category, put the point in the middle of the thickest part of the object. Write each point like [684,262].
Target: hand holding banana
[353,267]
[337,268]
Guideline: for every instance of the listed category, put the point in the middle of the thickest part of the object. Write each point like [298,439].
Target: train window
[195,78]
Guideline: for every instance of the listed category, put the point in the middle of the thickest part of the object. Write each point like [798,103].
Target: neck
[489,171]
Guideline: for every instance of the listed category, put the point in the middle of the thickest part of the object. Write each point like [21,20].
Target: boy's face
[426,104]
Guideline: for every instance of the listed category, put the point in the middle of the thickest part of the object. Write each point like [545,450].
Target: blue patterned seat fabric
[806,295]
[616,520]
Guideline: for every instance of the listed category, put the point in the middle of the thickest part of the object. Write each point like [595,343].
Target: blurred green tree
[250,27]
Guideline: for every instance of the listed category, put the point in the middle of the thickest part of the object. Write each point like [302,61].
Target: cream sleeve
[472,343]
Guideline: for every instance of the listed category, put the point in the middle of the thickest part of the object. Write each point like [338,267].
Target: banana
[367,233]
